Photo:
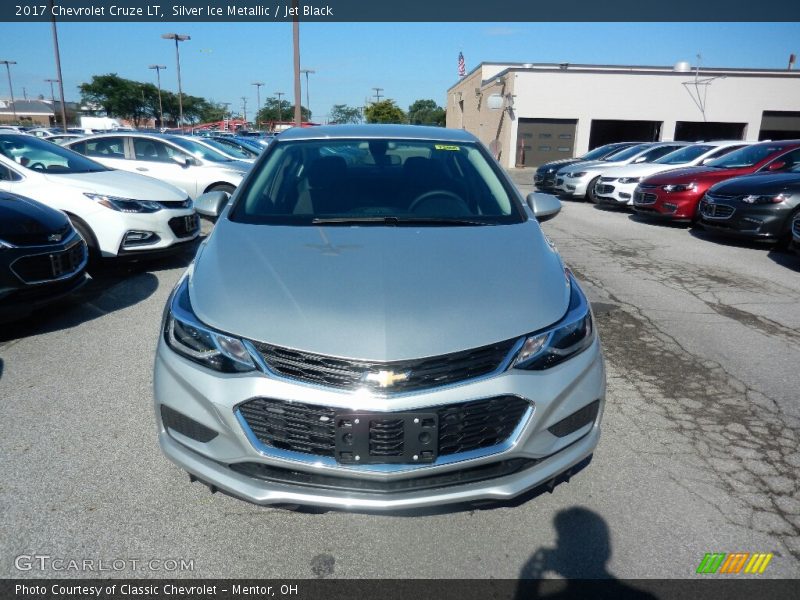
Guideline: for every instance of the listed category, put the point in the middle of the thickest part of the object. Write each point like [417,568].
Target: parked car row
[744,189]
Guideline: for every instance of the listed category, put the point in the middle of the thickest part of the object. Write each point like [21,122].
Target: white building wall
[648,97]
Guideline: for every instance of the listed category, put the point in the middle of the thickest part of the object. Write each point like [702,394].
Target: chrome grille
[643,198]
[716,211]
[51,266]
[421,373]
[602,188]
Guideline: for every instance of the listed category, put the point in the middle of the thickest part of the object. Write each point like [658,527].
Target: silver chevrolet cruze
[377,322]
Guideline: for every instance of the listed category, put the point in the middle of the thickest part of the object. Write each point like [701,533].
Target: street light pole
[58,67]
[244,108]
[258,85]
[8,64]
[308,101]
[178,38]
[298,114]
[53,101]
[280,108]
[157,69]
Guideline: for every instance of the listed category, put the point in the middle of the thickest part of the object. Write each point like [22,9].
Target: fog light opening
[576,420]
[139,238]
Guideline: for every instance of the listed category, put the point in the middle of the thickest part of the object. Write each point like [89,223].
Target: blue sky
[408,60]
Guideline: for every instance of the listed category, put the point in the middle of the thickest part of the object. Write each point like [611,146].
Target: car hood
[557,164]
[237,166]
[119,183]
[690,174]
[639,170]
[375,292]
[24,221]
[773,183]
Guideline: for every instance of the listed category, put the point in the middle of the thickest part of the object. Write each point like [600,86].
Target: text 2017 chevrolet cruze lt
[377,322]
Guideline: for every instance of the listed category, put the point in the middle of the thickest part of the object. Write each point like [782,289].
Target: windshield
[37,154]
[199,150]
[603,151]
[684,155]
[627,153]
[745,157]
[377,182]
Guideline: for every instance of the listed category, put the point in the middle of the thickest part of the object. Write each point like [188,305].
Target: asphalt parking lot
[700,449]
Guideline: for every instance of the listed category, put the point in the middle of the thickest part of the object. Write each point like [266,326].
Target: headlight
[768,199]
[577,174]
[5,245]
[680,187]
[124,204]
[190,338]
[630,179]
[570,336]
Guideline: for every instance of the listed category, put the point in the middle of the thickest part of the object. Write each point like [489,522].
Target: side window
[79,147]
[7,174]
[659,152]
[790,160]
[723,151]
[153,150]
[110,147]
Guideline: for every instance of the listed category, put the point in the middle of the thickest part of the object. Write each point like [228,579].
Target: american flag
[462,67]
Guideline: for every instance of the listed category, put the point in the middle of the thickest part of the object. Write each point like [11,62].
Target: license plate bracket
[386,438]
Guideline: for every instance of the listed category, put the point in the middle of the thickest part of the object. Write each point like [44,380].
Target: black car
[759,207]
[796,234]
[42,258]
[545,177]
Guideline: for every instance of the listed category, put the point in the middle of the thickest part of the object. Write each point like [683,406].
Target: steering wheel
[427,196]
[38,166]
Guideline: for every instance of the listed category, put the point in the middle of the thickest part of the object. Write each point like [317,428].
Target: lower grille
[184,226]
[315,480]
[51,266]
[643,198]
[602,188]
[310,429]
[716,211]
[415,374]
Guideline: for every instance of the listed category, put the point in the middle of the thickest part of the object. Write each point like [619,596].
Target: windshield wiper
[394,221]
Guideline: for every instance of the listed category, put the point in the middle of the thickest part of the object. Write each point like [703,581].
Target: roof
[377,131]
[26,107]
[507,67]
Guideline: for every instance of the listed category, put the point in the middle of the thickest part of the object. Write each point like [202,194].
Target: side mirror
[778,164]
[641,159]
[544,206]
[211,204]
[183,160]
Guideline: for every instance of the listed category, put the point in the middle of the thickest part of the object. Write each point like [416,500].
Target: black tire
[222,187]
[86,233]
[590,197]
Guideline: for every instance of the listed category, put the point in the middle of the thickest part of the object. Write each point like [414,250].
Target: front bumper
[675,206]
[166,227]
[231,459]
[746,221]
[572,186]
[615,193]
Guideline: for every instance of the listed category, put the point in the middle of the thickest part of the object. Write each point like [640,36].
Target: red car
[675,195]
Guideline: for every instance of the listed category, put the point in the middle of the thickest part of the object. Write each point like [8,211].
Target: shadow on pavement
[113,286]
[583,547]
[660,222]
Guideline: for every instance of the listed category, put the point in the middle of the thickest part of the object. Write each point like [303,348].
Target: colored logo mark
[734,563]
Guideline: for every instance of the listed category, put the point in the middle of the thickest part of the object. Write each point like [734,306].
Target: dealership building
[528,113]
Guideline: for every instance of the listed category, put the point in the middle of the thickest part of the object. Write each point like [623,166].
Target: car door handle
[142,169]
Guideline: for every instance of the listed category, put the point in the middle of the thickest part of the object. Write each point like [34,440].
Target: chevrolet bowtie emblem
[55,237]
[386,379]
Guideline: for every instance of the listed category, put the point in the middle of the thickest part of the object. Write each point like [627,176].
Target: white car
[578,180]
[617,185]
[176,159]
[117,213]
[228,150]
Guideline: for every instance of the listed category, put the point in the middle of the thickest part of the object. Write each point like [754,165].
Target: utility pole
[53,101]
[58,67]
[258,85]
[157,69]
[298,114]
[178,38]
[280,107]
[378,91]
[8,64]
[308,100]
[244,109]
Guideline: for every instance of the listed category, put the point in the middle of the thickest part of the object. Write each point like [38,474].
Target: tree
[272,112]
[385,111]
[426,112]
[341,113]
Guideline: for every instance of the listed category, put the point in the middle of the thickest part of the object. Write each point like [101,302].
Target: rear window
[379,182]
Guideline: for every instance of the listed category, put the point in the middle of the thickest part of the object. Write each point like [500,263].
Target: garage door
[543,140]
